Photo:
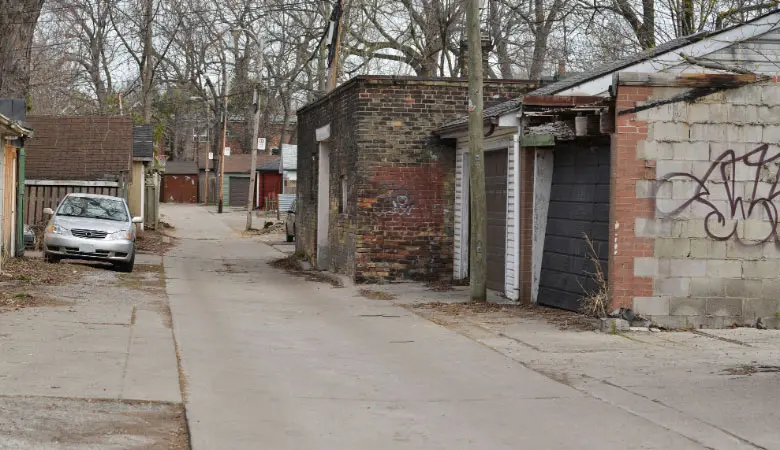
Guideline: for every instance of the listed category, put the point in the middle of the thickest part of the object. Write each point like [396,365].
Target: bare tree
[17,20]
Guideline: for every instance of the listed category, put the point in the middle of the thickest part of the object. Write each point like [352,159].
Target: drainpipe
[21,160]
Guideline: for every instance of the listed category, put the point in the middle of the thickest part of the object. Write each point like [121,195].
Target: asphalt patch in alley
[74,424]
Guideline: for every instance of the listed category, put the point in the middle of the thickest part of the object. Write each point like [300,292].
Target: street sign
[261,143]
[211,155]
[227,151]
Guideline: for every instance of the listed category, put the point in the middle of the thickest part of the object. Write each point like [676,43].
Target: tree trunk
[147,65]
[17,20]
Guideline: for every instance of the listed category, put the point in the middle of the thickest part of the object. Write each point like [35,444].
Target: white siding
[502,140]
[460,249]
[510,279]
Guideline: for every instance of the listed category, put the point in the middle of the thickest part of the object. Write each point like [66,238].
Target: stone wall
[397,222]
[694,213]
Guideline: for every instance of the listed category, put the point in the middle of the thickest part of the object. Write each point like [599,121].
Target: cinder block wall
[694,212]
[398,222]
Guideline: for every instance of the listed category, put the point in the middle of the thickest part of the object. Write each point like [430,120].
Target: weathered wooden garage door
[579,206]
[180,188]
[495,186]
[239,191]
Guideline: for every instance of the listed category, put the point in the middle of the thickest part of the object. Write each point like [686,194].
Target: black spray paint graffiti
[722,225]
[400,202]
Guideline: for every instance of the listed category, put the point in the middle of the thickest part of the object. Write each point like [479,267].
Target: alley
[272,361]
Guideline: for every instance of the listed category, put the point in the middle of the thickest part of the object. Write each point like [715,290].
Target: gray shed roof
[270,166]
[143,141]
[488,113]
[181,168]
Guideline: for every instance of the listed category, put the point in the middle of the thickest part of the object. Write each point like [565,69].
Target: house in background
[180,182]
[76,154]
[236,180]
[289,168]
[14,133]
[269,184]
[375,194]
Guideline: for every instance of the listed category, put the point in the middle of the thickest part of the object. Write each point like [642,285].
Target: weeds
[595,302]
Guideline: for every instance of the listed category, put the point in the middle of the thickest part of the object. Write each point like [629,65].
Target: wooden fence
[40,194]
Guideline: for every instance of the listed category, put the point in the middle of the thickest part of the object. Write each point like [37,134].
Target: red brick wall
[79,148]
[626,170]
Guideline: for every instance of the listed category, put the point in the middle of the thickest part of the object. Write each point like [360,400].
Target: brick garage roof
[79,148]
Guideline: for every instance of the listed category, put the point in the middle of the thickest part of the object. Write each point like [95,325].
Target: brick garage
[694,211]
[390,185]
[79,148]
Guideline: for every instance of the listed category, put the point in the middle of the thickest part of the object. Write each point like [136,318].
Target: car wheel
[49,258]
[127,266]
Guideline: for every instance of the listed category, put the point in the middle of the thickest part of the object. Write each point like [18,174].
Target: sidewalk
[91,363]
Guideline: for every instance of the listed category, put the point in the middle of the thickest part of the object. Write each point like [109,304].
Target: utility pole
[253,170]
[147,65]
[333,74]
[478,240]
[224,140]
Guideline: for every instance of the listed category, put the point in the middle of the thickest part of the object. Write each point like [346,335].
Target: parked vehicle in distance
[29,237]
[289,223]
[90,226]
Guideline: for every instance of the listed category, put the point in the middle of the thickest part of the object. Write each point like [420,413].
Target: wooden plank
[563,100]
[538,140]
[71,183]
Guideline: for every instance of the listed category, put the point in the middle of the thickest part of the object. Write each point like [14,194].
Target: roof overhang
[9,127]
[601,84]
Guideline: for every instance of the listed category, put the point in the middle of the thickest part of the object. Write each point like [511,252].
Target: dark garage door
[239,191]
[495,187]
[579,205]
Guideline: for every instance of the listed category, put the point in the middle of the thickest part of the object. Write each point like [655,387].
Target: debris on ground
[751,369]
[269,227]
[37,271]
[376,295]
[19,300]
[564,320]
[293,266]
[153,241]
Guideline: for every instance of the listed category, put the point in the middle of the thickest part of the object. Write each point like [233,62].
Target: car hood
[108,226]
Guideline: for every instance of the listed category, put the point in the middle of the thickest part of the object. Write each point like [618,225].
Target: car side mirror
[138,219]
[48,211]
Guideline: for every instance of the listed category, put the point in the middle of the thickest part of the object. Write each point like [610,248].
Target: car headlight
[121,234]
[57,229]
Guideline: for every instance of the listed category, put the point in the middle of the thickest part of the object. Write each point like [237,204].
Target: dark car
[289,223]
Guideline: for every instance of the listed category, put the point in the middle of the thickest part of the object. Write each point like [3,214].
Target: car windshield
[93,208]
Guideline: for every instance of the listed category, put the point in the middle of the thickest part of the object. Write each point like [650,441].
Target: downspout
[21,158]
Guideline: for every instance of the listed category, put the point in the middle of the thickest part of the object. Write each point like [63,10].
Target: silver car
[89,226]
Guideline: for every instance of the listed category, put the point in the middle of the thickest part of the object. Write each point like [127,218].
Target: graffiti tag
[401,203]
[722,225]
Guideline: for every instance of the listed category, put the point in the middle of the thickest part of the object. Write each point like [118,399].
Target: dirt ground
[442,313]
[154,241]
[47,423]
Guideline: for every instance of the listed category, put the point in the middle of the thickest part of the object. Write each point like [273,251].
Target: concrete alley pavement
[272,361]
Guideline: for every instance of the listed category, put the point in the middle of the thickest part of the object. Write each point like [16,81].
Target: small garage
[238,190]
[180,182]
[495,193]
[578,211]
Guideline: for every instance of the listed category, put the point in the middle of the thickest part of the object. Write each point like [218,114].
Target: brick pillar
[626,169]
